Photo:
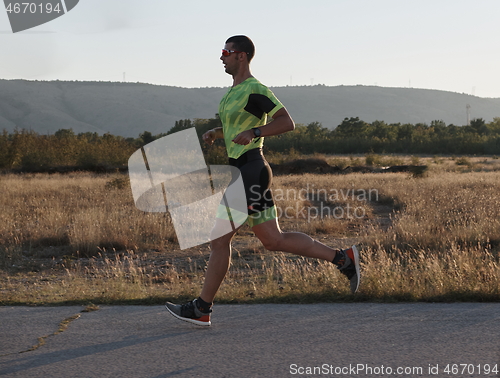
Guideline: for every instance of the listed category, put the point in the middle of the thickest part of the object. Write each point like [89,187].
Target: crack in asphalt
[63,325]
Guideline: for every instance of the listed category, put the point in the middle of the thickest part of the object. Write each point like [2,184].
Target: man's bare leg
[198,311]
[218,264]
[273,239]
[301,244]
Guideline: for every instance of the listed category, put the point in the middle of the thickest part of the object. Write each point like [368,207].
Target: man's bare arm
[281,123]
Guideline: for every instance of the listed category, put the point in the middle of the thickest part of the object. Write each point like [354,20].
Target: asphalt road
[318,340]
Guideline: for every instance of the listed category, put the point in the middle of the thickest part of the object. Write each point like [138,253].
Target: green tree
[494,126]
[405,132]
[479,125]
[146,137]
[438,127]
[64,133]
[383,131]
[352,127]
[316,129]
[180,125]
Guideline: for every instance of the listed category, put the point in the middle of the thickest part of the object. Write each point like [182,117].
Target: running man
[243,111]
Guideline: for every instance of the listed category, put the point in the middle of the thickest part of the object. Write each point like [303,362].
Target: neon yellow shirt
[243,107]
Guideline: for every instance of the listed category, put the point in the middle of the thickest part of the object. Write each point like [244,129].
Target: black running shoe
[189,312]
[350,268]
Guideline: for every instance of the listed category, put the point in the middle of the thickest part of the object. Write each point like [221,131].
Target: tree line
[27,150]
[354,136]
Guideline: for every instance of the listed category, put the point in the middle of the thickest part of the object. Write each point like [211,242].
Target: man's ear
[242,57]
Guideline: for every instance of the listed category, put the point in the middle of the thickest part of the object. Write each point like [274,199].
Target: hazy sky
[434,44]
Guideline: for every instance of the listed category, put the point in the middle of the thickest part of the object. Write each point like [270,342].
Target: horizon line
[270,86]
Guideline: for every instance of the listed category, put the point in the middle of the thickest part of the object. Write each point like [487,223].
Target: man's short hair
[243,43]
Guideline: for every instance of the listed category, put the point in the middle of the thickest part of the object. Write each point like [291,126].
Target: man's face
[231,62]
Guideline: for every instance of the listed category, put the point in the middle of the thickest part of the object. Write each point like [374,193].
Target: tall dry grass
[430,238]
[441,211]
[46,215]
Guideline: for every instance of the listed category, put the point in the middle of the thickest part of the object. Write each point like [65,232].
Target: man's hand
[209,137]
[244,137]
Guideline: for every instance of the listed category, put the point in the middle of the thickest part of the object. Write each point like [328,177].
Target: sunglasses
[228,52]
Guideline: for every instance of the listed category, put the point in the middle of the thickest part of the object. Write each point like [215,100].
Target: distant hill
[128,109]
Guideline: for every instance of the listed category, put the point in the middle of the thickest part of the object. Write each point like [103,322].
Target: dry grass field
[78,238]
